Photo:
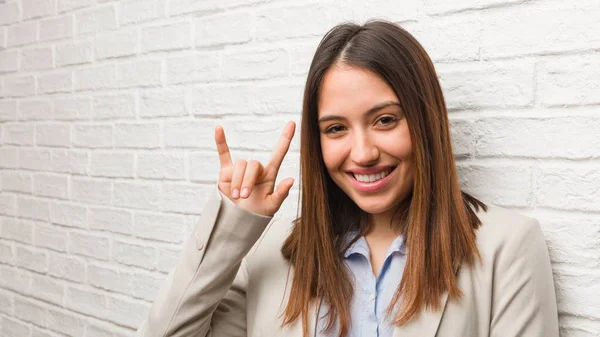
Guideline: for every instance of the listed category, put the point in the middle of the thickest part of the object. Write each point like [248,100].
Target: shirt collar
[360,246]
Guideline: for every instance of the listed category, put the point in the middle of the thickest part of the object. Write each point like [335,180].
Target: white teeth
[371,177]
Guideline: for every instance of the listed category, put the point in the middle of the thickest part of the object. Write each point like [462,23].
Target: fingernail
[236,193]
[245,192]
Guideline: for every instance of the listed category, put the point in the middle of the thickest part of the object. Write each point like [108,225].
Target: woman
[386,243]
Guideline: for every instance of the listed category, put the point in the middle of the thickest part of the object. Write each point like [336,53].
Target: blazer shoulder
[504,229]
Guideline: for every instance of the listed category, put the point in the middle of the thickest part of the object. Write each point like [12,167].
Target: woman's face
[365,140]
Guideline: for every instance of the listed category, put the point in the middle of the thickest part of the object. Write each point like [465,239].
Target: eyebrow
[369,112]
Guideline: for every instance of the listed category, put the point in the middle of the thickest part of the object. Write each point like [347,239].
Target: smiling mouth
[371,178]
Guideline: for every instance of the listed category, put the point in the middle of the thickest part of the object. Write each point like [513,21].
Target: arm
[523,299]
[201,291]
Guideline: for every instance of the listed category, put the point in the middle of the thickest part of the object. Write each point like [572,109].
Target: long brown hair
[437,219]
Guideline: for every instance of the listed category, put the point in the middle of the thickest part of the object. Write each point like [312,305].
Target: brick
[96,20]
[9,13]
[146,136]
[50,236]
[30,310]
[204,166]
[58,82]
[36,58]
[508,31]
[137,11]
[21,34]
[91,245]
[290,21]
[19,134]
[96,192]
[488,84]
[114,106]
[98,329]
[79,52]
[208,99]
[567,187]
[167,258]
[6,302]
[163,103]
[7,256]
[55,135]
[9,61]
[201,67]
[17,280]
[67,267]
[568,80]
[8,158]
[133,254]
[85,301]
[568,247]
[578,284]
[93,136]
[112,220]
[36,109]
[51,185]
[72,108]
[109,278]
[301,55]
[546,137]
[166,37]
[33,208]
[145,286]
[183,198]
[507,185]
[69,5]
[452,39]
[263,135]
[68,215]
[190,6]
[464,137]
[20,230]
[18,86]
[137,195]
[56,28]
[190,134]
[13,327]
[32,259]
[168,228]
[34,159]
[65,322]
[48,289]
[224,29]
[69,161]
[255,64]
[8,205]
[161,166]
[126,312]
[143,73]
[8,111]
[445,7]
[112,165]
[116,44]
[94,78]
[37,8]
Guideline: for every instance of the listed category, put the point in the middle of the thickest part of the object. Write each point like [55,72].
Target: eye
[387,120]
[334,129]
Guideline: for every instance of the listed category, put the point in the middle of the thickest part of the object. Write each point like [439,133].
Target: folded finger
[239,169]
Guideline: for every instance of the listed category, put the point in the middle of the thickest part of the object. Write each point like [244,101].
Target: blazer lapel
[425,324]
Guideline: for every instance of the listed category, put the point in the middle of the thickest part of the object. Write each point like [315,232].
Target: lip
[374,186]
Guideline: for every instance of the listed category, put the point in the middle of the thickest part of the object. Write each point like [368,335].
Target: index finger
[282,146]
[222,148]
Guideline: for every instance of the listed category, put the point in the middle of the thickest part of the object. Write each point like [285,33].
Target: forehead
[347,90]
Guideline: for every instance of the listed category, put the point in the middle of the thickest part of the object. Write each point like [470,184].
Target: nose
[364,150]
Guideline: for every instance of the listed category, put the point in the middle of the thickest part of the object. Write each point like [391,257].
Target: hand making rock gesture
[249,184]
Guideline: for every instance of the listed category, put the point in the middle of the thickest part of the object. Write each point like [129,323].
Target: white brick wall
[107,110]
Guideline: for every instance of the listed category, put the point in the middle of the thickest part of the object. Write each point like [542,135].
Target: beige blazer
[231,281]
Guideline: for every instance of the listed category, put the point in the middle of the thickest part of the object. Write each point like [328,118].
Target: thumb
[282,191]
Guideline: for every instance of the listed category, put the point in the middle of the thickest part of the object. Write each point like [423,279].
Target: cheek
[333,154]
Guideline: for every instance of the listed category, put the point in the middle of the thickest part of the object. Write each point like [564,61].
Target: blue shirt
[371,295]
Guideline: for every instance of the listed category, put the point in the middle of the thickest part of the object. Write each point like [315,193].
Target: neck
[381,225]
